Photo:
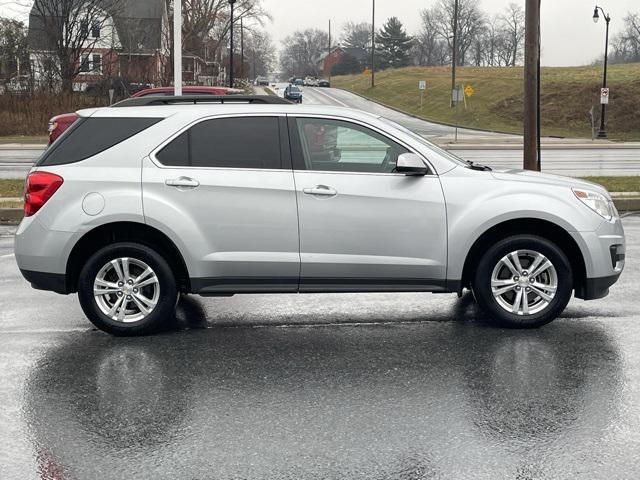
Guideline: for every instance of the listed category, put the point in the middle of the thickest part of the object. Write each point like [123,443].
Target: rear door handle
[184,182]
[321,190]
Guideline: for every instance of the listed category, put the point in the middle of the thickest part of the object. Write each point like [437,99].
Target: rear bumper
[594,288]
[54,282]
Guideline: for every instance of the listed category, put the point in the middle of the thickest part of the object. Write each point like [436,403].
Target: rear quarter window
[90,136]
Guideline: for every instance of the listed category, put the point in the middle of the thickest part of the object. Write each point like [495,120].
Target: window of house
[95,30]
[85,64]
[96,63]
[84,28]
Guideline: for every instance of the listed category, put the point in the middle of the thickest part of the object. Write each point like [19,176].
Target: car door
[362,226]
[223,191]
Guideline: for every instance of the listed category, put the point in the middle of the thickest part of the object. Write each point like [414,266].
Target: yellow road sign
[469,91]
[366,72]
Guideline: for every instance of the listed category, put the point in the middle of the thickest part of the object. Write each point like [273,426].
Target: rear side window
[244,142]
[90,136]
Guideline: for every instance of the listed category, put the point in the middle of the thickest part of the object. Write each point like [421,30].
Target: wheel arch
[531,226]
[109,233]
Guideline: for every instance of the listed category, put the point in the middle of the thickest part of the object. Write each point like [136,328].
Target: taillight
[38,189]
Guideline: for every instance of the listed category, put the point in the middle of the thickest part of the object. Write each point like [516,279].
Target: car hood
[547,179]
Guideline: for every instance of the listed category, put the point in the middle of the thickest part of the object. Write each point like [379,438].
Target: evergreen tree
[393,45]
[347,65]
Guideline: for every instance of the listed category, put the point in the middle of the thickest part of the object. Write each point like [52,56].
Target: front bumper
[594,288]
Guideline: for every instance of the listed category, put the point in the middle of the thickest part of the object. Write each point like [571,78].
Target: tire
[493,277]
[146,309]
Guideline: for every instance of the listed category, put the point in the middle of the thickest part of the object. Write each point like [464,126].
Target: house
[126,38]
[327,61]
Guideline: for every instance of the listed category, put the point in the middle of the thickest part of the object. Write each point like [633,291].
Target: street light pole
[231,2]
[373,45]
[602,133]
[177,47]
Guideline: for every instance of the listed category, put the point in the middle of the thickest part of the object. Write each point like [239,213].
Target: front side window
[335,145]
[242,142]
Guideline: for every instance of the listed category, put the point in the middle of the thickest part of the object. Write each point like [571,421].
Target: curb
[12,216]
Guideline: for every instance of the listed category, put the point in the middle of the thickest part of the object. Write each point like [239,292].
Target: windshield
[433,147]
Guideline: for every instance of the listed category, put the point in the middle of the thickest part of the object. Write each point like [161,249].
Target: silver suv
[137,204]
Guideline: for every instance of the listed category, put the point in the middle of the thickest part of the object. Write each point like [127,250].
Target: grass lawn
[11,187]
[10,204]
[617,184]
[567,95]
[25,139]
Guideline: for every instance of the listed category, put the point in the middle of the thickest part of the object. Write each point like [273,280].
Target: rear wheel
[127,289]
[523,281]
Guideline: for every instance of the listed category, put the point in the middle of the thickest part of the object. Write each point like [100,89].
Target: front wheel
[127,289]
[523,281]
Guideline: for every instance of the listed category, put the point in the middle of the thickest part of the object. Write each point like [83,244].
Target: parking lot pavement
[321,386]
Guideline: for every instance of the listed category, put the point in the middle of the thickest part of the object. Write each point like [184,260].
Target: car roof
[206,110]
[188,88]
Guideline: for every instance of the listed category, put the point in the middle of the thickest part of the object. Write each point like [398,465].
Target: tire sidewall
[482,281]
[164,309]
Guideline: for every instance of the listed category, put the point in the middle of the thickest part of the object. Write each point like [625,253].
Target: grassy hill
[567,94]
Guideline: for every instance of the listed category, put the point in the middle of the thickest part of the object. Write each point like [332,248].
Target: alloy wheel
[126,289]
[524,282]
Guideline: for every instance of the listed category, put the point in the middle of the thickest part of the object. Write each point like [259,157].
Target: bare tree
[302,52]
[471,21]
[261,53]
[626,45]
[69,29]
[356,35]
[512,25]
[429,48]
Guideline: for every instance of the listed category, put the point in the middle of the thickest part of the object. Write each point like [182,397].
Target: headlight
[597,202]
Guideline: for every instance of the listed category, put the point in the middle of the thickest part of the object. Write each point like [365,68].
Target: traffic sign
[366,72]
[422,85]
[604,96]
[469,91]
[457,95]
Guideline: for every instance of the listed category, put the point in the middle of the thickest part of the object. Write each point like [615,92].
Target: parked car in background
[324,83]
[293,93]
[262,82]
[59,123]
[298,82]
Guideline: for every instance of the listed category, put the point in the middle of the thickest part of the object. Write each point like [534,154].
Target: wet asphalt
[368,386]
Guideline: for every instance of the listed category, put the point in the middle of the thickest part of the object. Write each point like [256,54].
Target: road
[344,386]
[496,150]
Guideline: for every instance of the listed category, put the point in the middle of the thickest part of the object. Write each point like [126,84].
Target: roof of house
[138,22]
[355,52]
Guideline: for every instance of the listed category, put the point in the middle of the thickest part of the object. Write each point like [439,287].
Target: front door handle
[321,190]
[184,182]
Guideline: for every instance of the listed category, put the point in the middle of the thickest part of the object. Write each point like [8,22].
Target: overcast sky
[569,36]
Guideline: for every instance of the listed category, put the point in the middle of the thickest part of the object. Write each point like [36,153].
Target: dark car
[324,83]
[59,123]
[294,93]
[299,82]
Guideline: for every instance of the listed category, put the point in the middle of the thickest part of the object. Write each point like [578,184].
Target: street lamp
[602,133]
[231,2]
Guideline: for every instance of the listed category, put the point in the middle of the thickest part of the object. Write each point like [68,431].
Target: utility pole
[454,52]
[373,45]
[231,2]
[329,51]
[241,47]
[531,55]
[177,47]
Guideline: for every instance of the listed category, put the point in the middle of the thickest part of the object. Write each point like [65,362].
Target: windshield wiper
[478,166]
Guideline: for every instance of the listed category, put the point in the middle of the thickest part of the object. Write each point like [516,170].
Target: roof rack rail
[201,99]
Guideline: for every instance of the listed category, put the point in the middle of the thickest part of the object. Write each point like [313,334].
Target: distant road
[494,149]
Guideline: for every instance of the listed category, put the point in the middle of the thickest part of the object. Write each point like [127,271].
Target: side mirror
[411,164]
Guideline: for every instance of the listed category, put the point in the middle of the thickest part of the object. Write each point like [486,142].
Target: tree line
[482,40]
